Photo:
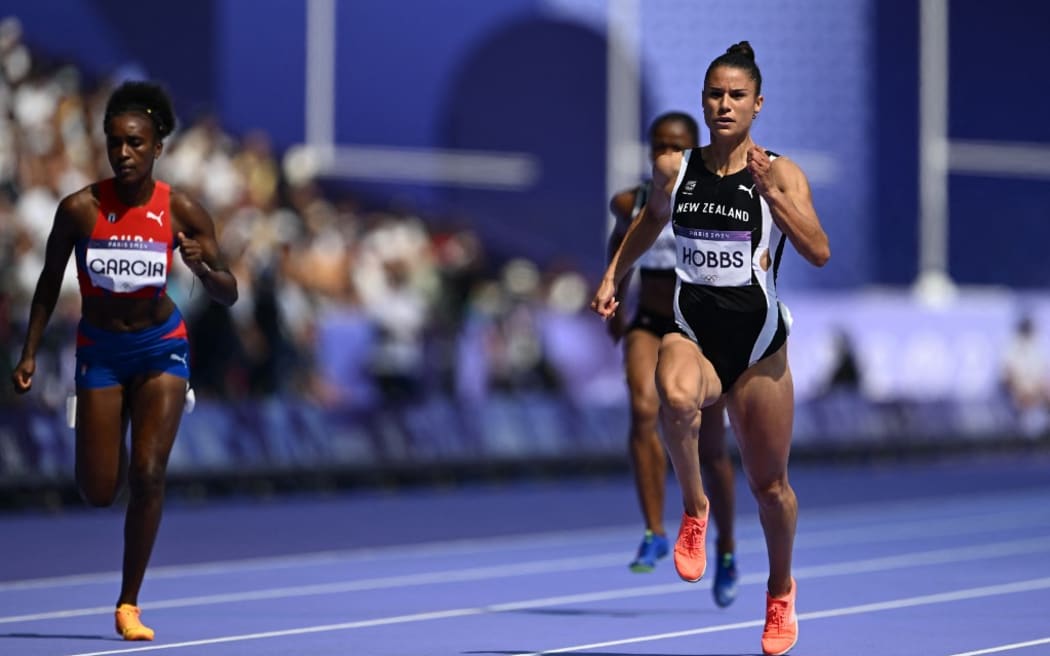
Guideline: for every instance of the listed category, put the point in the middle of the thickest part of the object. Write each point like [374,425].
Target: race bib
[127,265]
[719,258]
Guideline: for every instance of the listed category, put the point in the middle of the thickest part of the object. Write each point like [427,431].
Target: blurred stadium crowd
[433,311]
[403,327]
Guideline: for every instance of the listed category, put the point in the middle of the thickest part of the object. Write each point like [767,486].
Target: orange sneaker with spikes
[781,631]
[129,626]
[690,549]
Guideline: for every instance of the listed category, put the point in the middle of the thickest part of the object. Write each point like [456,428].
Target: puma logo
[159,218]
[748,190]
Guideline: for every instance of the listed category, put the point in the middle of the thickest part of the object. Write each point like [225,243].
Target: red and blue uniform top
[129,251]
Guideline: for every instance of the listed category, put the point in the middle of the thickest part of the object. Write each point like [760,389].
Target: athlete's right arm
[642,233]
[622,207]
[665,174]
[60,243]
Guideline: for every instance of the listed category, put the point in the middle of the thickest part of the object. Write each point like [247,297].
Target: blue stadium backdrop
[523,83]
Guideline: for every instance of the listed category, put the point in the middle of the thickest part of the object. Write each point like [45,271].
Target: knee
[98,495]
[146,480]
[96,489]
[773,492]
[678,404]
[645,410]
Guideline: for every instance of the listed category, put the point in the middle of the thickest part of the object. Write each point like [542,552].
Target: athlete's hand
[604,302]
[192,254]
[761,168]
[22,376]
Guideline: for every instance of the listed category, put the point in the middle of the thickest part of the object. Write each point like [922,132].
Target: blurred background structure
[414,199]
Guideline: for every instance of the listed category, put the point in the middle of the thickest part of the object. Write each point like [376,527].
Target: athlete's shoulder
[622,203]
[629,194]
[181,200]
[782,162]
[190,213]
[86,199]
[787,173]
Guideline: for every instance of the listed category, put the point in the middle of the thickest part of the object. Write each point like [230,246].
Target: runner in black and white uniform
[733,205]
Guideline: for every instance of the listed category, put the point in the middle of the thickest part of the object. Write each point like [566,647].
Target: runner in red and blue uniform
[132,352]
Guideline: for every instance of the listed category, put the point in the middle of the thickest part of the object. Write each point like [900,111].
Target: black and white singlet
[728,252]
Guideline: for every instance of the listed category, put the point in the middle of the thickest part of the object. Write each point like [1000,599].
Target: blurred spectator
[440,320]
[394,276]
[460,262]
[844,375]
[1025,378]
[517,352]
[400,317]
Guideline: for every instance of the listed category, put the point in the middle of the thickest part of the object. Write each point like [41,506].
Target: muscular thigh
[761,409]
[682,372]
[156,401]
[100,428]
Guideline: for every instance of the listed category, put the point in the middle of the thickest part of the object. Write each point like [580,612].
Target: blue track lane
[944,558]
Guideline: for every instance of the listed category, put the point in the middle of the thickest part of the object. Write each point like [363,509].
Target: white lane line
[360,585]
[848,568]
[894,604]
[365,554]
[382,621]
[899,561]
[870,533]
[993,522]
[968,508]
[1002,648]
[940,506]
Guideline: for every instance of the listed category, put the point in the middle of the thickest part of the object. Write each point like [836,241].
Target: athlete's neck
[135,194]
[727,156]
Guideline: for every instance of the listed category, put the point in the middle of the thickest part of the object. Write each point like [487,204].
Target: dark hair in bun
[739,55]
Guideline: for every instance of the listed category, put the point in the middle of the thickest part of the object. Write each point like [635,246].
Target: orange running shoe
[781,631]
[690,550]
[128,625]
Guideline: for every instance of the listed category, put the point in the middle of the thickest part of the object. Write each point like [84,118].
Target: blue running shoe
[725,586]
[653,548]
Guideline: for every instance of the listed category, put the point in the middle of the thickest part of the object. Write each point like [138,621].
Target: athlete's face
[131,146]
[730,102]
[670,136]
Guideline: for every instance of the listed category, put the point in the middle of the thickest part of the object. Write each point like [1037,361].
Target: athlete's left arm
[200,249]
[786,190]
